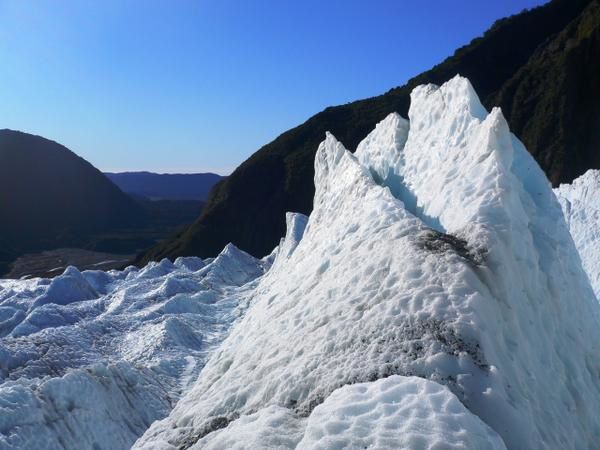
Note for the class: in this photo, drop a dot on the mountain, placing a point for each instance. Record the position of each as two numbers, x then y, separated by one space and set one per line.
553 101
156 186
540 66
50 197
434 299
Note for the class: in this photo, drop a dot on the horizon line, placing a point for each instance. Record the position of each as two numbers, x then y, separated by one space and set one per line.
220 172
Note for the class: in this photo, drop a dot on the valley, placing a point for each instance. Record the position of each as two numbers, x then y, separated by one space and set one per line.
419 269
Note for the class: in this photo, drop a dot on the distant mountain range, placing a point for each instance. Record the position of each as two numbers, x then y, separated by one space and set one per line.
50 198
156 186
541 66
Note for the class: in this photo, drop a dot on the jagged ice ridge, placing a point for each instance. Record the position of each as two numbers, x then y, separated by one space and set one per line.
433 299
437 254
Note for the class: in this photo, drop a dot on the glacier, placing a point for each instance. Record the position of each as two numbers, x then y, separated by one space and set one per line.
438 254
90 359
435 298
580 202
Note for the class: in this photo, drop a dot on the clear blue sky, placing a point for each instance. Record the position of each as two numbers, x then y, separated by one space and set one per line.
186 86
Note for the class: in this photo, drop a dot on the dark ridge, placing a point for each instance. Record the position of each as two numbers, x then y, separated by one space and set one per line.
248 208
50 197
53 200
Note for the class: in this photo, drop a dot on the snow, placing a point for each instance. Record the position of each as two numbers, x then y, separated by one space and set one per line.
580 202
395 412
440 252
271 428
90 359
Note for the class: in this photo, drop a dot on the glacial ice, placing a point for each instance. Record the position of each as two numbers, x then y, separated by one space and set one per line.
396 412
580 202
90 359
433 299
438 251
393 412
